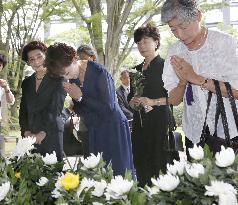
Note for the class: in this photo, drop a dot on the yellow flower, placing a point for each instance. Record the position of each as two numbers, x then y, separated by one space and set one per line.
70 181
18 175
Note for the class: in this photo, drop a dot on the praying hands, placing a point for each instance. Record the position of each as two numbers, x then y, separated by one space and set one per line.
184 70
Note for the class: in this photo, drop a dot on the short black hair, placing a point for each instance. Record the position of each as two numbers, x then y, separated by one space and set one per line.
150 31
30 47
3 59
59 56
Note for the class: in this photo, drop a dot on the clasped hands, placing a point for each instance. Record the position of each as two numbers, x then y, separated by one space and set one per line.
73 90
136 101
184 70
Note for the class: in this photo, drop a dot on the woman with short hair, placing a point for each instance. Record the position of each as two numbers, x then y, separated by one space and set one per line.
149 128
95 99
198 56
41 104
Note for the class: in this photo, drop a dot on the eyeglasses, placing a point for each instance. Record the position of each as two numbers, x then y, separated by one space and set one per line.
37 59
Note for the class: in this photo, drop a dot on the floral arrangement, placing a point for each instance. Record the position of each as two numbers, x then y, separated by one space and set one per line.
137 78
27 178
138 87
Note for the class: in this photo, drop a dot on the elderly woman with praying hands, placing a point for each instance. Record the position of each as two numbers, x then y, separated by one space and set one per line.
198 56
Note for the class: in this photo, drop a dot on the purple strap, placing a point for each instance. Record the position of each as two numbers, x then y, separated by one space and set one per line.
189 94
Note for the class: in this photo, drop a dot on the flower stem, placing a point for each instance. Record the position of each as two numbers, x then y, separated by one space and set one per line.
141 124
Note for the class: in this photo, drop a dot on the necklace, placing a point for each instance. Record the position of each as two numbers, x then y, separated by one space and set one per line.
202 40
39 78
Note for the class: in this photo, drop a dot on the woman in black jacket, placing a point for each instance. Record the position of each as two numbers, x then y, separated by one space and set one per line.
41 103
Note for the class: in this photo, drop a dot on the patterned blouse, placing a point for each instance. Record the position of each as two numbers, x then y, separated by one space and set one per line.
216 59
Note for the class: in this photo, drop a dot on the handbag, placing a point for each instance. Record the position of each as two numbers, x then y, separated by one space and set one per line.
213 141
173 141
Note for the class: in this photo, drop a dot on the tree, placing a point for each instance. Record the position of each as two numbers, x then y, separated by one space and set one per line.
76 37
120 17
20 21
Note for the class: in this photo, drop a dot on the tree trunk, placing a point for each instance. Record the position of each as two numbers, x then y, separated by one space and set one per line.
95 29
117 14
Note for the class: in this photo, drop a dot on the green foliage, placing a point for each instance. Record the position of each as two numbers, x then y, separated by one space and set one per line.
191 190
73 36
24 190
178 113
14 123
207 5
136 79
228 29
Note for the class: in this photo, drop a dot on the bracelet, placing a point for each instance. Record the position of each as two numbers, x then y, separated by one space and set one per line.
204 82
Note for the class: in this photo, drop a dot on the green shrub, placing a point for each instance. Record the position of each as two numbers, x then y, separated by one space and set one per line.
178 113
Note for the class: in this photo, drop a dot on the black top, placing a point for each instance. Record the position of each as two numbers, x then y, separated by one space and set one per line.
148 139
153 83
41 111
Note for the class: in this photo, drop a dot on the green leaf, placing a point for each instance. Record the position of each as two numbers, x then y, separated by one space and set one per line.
207 153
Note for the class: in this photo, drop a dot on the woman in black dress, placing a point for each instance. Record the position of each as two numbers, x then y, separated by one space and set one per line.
41 103
148 137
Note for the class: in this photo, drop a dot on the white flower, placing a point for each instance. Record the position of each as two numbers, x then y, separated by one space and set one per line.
225 157
56 192
133 71
4 189
195 169
23 147
152 191
99 188
177 167
196 152
85 184
91 161
227 199
50 159
166 182
97 203
226 192
42 181
118 188
182 156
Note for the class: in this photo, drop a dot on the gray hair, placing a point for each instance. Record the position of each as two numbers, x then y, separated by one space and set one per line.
86 49
124 72
183 10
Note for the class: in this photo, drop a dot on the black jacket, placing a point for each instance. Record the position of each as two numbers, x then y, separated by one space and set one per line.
123 102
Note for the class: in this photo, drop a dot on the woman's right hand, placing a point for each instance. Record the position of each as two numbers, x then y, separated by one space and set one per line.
73 90
135 101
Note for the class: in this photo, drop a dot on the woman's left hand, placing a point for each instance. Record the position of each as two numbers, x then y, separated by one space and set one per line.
147 101
73 90
183 69
40 136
